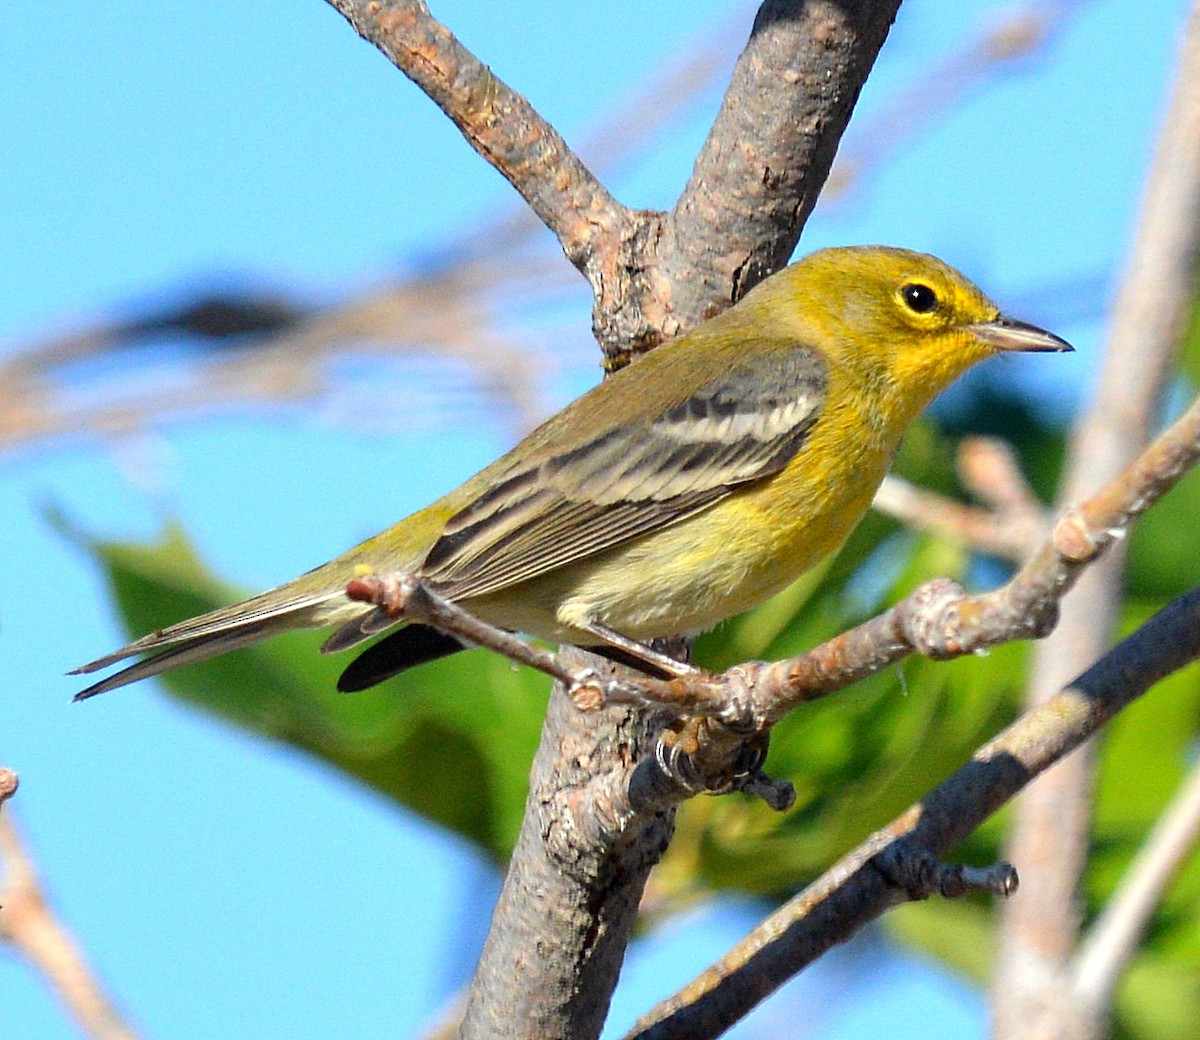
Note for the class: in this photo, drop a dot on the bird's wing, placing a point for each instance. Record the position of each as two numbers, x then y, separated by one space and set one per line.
740 426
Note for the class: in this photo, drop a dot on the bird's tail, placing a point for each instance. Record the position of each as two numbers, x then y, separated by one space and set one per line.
304 603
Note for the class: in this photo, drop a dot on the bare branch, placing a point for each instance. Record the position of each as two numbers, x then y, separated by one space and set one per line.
447 315
574 883
855 891
1051 828
1012 535
990 471
1012 528
635 122
405 595
1103 956
8 784
924 510
29 926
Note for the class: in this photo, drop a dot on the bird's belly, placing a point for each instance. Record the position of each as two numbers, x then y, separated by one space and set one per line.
688 577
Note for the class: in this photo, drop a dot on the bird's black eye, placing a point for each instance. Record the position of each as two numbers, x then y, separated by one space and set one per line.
918 297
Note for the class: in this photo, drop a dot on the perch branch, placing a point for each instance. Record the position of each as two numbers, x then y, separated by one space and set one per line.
855 890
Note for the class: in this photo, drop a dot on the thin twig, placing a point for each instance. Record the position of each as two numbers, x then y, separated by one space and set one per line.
445 315
401 595
1052 823
30 927
989 470
8 784
1112 940
1012 528
923 510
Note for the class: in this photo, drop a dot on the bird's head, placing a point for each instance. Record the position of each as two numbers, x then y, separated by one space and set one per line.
903 322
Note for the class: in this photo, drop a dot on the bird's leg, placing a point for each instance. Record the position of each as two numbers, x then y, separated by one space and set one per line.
640 652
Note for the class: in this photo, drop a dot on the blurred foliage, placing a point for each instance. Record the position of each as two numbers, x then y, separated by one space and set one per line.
454 740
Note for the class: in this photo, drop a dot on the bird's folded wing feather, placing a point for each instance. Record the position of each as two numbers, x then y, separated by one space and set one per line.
744 424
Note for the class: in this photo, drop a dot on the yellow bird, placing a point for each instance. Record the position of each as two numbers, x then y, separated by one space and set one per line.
686 488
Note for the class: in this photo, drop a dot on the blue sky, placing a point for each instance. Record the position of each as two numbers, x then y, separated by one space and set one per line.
227 888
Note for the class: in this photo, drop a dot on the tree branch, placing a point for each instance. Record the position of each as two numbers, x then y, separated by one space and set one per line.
571 894
1110 944
754 184
855 891
1014 525
8 785
1051 828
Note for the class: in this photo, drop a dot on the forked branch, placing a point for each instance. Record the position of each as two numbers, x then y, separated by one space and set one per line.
855 890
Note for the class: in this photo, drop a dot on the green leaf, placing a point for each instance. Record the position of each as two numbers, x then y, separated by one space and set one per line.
452 740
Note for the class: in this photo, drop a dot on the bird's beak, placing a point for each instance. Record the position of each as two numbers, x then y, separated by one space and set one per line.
1009 334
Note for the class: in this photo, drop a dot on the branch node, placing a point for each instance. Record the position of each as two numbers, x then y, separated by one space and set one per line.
738 714
1044 620
780 795
930 619
1074 539
589 694
906 865
9 782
